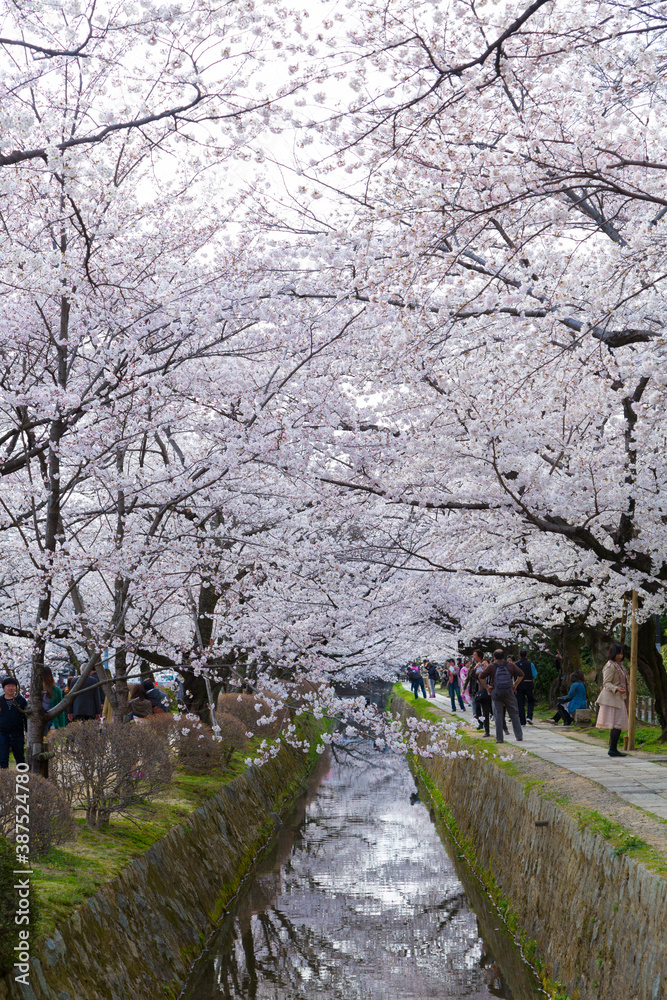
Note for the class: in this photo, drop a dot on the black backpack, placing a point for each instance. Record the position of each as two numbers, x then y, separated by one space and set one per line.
502 682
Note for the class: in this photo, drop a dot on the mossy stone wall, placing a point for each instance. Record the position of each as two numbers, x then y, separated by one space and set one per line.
598 918
138 936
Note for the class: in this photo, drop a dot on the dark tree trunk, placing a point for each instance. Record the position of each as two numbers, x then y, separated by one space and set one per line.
599 644
569 643
653 671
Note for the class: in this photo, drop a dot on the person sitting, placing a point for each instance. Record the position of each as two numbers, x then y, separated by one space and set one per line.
139 704
575 698
155 696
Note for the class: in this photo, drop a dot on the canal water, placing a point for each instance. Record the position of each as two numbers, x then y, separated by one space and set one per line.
359 899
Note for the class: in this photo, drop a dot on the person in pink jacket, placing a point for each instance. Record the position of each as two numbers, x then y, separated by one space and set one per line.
613 699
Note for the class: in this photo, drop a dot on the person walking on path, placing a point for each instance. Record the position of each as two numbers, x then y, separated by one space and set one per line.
613 699
501 679
575 698
472 687
463 677
432 671
13 722
453 685
484 706
416 680
525 694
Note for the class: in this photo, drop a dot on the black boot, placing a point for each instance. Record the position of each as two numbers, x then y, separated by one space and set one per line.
613 744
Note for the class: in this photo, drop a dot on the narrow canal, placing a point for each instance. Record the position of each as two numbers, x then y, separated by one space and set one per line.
360 900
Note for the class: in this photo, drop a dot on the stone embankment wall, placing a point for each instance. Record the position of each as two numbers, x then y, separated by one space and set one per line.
137 937
598 919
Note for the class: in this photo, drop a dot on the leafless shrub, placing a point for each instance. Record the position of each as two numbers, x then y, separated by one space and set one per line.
232 731
252 710
104 768
200 751
48 820
165 726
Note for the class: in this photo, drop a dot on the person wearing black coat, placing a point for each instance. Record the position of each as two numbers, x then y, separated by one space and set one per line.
13 722
525 694
88 702
433 676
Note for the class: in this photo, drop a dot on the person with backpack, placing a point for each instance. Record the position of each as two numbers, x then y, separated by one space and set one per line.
525 694
416 680
433 675
454 685
501 679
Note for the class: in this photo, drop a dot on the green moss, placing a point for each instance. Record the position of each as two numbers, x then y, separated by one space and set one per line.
623 840
647 738
528 946
68 875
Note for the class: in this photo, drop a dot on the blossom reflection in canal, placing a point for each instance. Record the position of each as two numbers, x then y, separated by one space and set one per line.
361 901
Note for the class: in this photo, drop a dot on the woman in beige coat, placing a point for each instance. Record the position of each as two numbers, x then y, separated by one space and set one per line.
613 699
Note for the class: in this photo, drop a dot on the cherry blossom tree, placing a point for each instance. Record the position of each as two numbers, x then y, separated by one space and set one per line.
482 290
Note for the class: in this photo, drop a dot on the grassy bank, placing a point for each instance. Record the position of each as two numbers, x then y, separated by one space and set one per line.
466 852
69 874
620 837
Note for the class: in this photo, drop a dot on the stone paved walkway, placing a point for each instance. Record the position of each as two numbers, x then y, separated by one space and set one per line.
637 779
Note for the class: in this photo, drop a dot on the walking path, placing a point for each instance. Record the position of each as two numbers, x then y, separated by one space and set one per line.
638 780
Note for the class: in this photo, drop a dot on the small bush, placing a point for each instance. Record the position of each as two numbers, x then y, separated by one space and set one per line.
250 709
164 726
104 768
199 750
301 692
49 820
232 731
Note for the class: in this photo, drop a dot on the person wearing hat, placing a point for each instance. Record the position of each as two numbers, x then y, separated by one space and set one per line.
13 722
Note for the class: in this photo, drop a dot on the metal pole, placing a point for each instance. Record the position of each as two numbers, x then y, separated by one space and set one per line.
632 707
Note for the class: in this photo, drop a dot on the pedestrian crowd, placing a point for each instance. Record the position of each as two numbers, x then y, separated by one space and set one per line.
492 686
499 687
146 699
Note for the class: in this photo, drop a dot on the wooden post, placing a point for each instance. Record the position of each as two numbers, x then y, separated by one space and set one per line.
624 618
632 707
